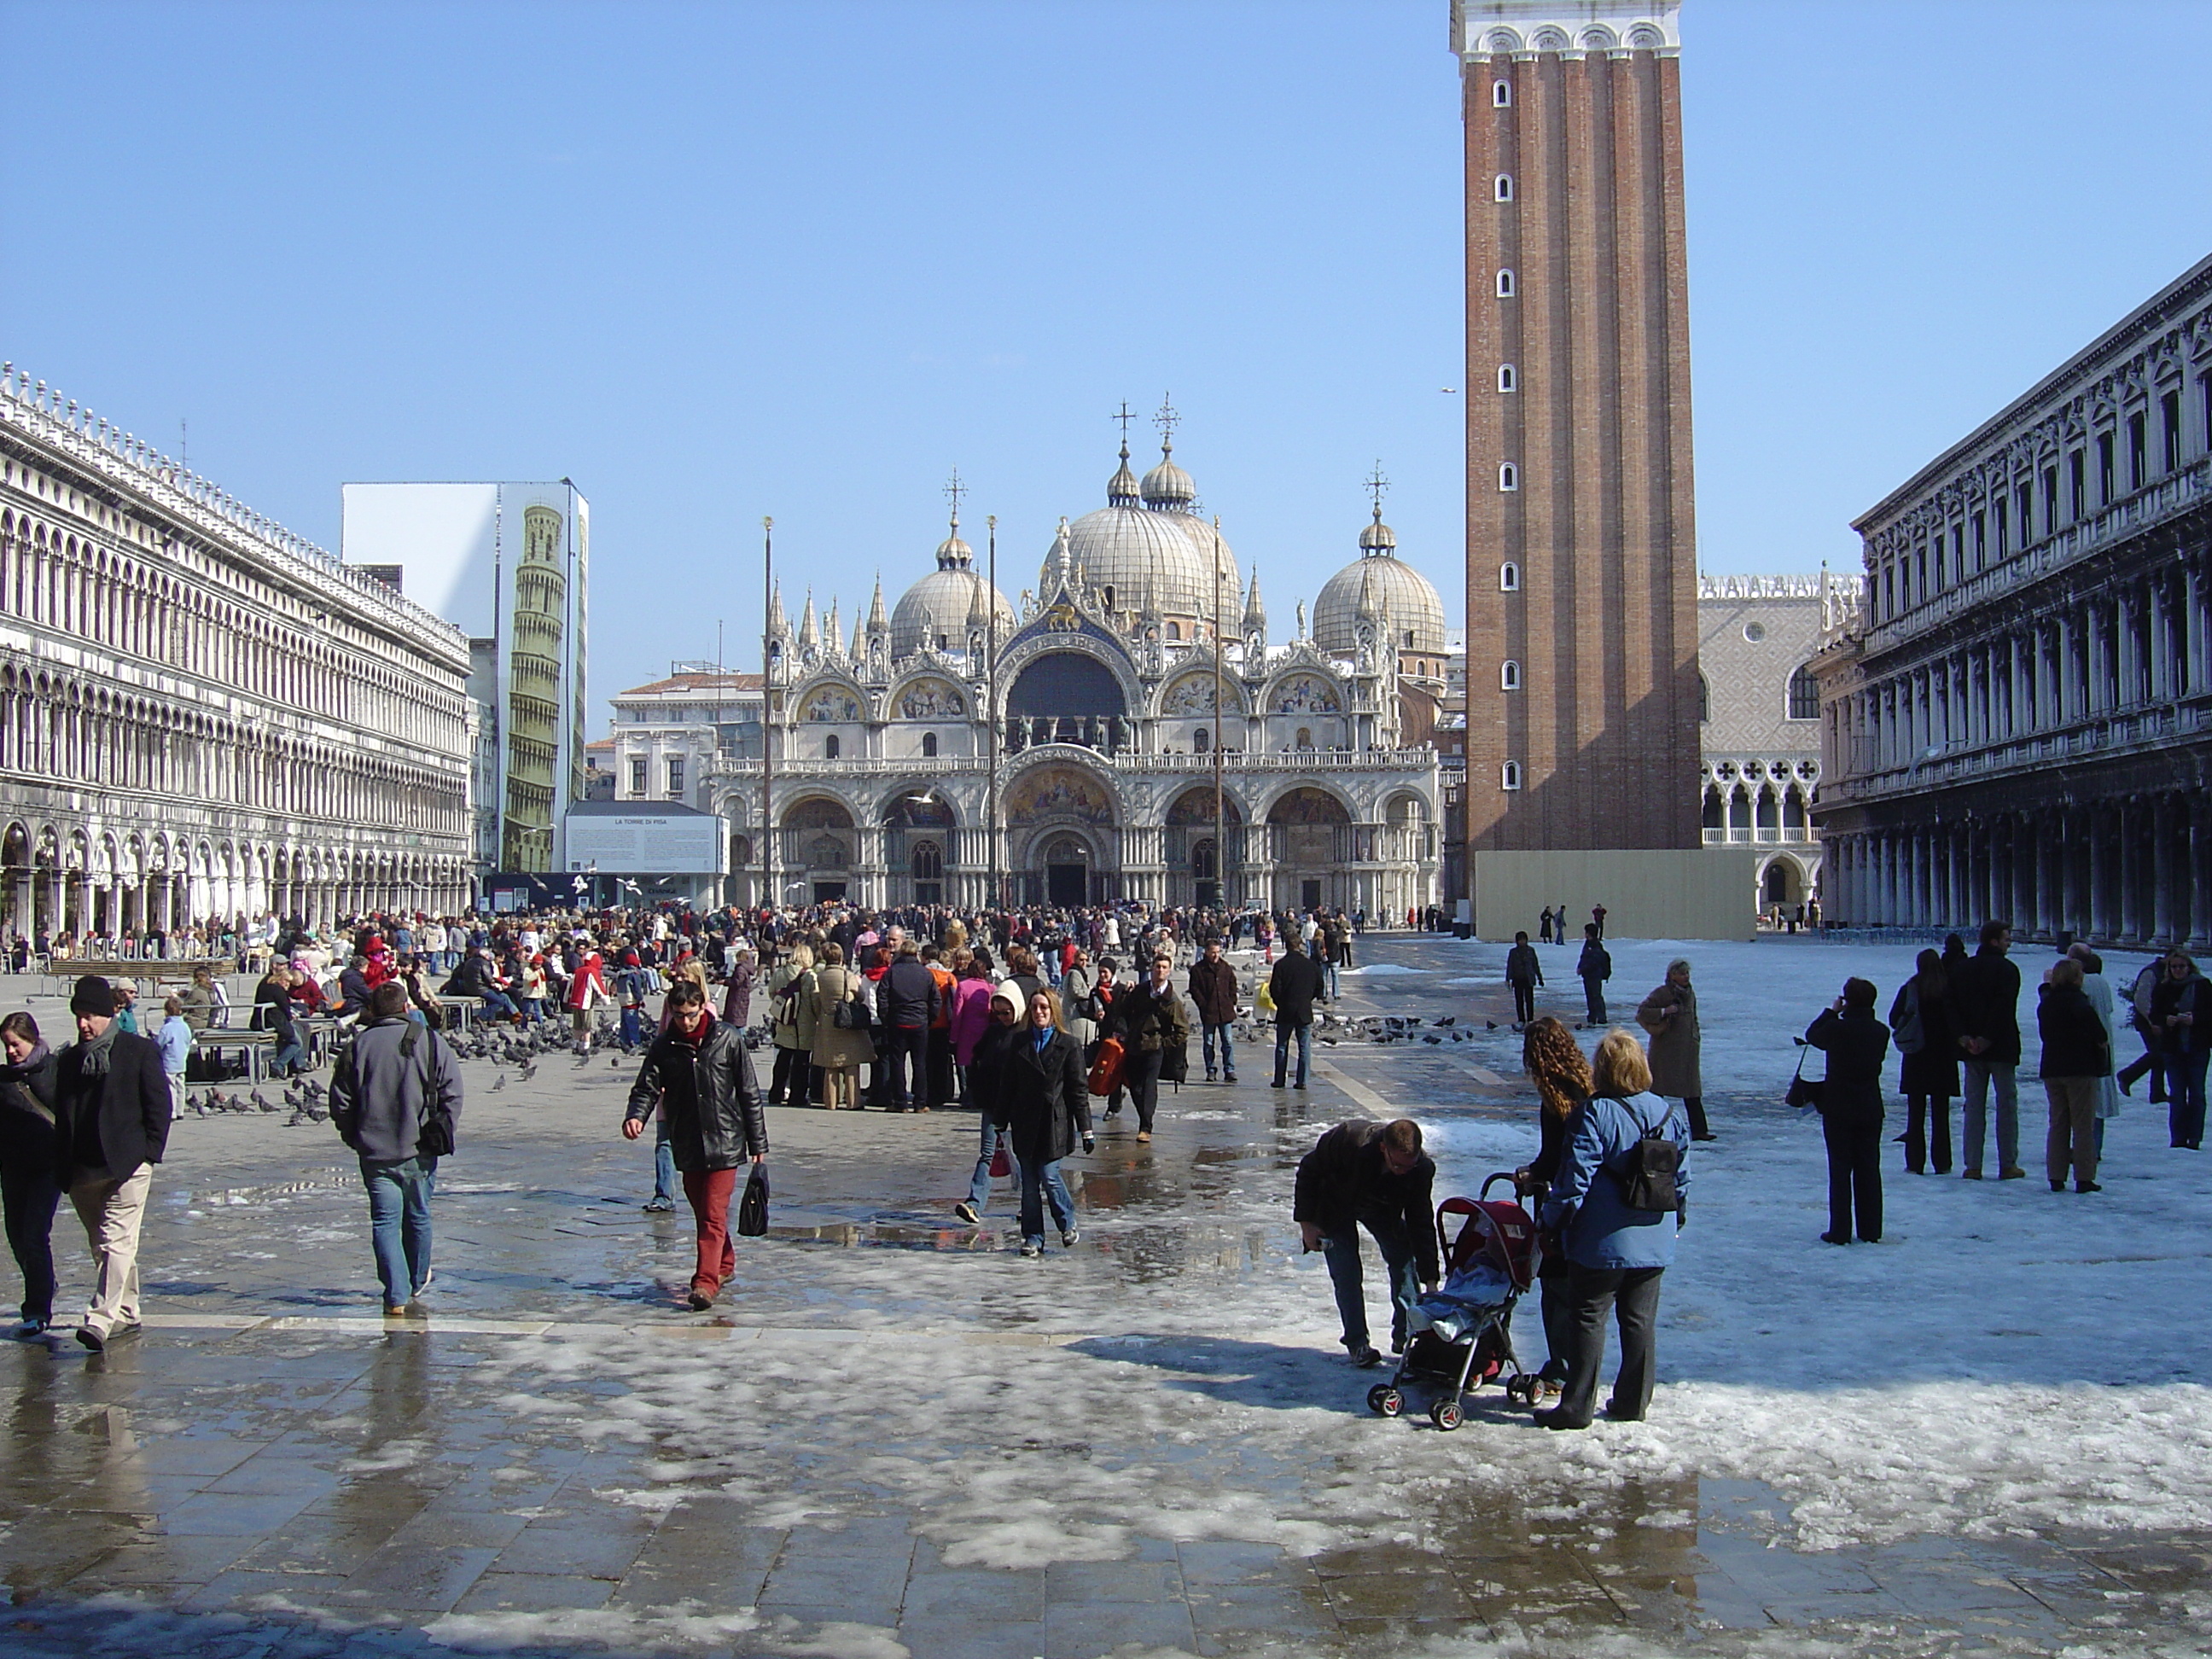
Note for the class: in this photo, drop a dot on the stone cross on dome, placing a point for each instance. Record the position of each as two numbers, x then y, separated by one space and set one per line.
954 490
1377 486
1167 420
1125 415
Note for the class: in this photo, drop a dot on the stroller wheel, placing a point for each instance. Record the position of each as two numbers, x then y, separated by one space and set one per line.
1520 1390
1445 1414
1385 1401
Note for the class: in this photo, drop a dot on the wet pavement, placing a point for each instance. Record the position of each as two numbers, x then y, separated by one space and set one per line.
893 1436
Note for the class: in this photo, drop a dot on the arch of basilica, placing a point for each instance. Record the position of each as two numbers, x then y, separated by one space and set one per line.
960 749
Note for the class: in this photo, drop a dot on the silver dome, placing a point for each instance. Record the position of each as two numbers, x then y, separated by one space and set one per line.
934 612
1412 611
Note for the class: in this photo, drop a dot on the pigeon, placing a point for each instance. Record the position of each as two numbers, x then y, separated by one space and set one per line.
1490 1024
529 1071
498 1083
262 1101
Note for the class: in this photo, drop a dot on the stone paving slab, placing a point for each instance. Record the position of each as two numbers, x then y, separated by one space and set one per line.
271 1468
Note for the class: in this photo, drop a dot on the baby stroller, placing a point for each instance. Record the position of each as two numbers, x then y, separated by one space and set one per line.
1462 1333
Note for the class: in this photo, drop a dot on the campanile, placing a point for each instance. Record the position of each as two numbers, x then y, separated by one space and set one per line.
1582 673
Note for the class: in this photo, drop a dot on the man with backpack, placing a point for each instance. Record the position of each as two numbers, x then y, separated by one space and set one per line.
1371 1174
395 1099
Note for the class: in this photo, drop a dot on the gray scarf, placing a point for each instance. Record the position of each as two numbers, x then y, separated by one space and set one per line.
92 1056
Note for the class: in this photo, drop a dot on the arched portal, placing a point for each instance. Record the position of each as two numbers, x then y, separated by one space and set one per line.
1303 829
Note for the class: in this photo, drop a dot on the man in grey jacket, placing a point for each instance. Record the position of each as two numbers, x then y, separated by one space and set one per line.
395 1097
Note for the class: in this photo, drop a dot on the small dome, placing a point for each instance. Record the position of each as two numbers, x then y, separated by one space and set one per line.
1377 536
1168 485
1122 488
953 554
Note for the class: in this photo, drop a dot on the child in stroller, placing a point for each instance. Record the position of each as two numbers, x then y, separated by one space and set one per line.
1462 1335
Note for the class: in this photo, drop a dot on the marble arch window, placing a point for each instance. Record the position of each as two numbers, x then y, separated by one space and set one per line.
1501 94
1509 676
1506 284
1508 577
1509 476
1501 188
1509 775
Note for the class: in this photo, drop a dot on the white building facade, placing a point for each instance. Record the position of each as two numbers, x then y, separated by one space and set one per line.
966 751
1760 725
203 716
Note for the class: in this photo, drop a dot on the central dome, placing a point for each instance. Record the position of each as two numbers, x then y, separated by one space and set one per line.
1127 553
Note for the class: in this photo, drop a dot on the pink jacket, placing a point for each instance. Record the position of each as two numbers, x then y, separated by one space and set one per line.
970 1017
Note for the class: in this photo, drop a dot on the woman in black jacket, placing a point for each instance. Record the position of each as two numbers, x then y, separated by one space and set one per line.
1856 1044
2076 1059
30 1164
698 1071
1927 1038
1551 1055
1039 1093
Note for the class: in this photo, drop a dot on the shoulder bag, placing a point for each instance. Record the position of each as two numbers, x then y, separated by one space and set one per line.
1804 1092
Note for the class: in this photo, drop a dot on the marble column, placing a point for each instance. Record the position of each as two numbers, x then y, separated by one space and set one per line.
2167 925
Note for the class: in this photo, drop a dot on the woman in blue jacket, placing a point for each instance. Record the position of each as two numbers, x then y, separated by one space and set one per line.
1616 1255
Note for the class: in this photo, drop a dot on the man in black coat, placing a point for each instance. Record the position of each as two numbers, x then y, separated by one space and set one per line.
1524 974
1850 1110
906 1004
1594 967
1292 987
1213 992
1985 996
112 1111
1371 1174
698 1073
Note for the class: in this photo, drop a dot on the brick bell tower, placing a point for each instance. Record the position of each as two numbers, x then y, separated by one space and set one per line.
1581 668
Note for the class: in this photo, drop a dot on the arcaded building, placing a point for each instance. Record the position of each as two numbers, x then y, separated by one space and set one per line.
2017 719
203 716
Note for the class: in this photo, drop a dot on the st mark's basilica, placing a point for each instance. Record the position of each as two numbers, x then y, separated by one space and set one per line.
1102 707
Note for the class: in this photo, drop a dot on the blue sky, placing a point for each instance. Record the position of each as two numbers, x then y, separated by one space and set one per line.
715 261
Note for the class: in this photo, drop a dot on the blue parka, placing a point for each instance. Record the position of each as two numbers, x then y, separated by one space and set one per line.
1601 1229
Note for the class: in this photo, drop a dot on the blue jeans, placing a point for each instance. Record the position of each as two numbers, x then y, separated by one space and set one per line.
292 1055
664 1162
1339 1247
1979 1076
633 1027
2184 1096
1329 968
498 1004
1284 1031
1228 1055
978 1187
1040 1181
399 1223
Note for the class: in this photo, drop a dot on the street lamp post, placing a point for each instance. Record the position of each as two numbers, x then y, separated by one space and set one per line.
1221 814
991 711
767 704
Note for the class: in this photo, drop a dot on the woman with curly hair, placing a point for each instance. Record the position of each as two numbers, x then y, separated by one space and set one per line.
1550 1055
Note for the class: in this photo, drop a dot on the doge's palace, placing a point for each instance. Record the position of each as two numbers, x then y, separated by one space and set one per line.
203 716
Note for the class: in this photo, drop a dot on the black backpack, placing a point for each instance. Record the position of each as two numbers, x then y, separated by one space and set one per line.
1648 1168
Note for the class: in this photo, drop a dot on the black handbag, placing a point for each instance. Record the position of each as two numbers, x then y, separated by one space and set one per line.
752 1208
1804 1090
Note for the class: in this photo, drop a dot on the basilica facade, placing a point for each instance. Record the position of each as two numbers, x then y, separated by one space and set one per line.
961 749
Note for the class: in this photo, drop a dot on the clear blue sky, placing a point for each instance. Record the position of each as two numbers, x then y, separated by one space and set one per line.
715 261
